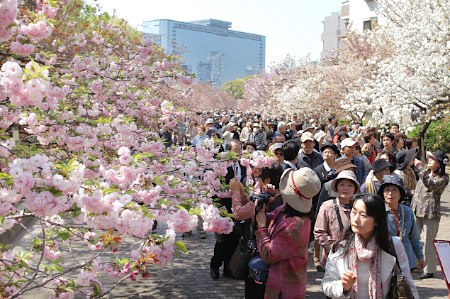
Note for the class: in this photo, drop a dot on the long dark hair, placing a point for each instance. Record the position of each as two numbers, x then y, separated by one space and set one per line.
375 208
291 212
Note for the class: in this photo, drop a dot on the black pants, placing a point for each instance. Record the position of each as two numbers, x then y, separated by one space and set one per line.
225 244
223 249
254 290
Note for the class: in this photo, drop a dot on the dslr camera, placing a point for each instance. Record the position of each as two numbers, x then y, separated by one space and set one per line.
261 200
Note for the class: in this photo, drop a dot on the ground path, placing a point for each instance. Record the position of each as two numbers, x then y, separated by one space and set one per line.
188 275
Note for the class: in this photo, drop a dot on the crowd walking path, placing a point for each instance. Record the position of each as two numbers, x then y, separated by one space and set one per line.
188 275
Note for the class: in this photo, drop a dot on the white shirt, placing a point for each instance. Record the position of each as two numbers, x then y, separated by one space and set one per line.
327 167
237 171
363 270
293 166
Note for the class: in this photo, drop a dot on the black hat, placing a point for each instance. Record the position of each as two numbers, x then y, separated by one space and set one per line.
441 157
392 179
329 145
380 164
404 157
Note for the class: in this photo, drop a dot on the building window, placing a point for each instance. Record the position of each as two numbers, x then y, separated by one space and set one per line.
370 24
367 25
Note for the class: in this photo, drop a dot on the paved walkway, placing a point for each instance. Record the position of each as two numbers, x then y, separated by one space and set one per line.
188 275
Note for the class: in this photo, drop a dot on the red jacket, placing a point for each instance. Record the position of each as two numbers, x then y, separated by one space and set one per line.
284 246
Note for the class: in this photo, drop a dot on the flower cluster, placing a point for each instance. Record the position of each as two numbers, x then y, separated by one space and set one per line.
29 88
45 190
214 222
258 159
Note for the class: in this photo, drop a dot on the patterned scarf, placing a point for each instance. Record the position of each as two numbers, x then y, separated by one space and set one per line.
366 254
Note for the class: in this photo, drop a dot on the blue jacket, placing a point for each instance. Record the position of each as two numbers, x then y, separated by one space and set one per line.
410 236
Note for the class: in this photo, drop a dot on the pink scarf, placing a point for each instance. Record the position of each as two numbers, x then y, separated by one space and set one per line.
369 254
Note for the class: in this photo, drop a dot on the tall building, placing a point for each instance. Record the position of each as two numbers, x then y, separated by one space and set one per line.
209 49
333 30
355 15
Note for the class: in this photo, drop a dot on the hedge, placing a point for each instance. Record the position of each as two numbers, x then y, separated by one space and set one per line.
437 135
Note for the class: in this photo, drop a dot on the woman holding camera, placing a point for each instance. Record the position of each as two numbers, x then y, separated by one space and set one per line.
282 236
266 191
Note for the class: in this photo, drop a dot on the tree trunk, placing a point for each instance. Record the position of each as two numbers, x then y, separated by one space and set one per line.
421 140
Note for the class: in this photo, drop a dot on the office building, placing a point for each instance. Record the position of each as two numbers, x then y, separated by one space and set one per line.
333 30
209 49
355 15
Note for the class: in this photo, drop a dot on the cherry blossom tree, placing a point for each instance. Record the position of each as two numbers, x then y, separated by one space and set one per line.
203 96
90 97
413 82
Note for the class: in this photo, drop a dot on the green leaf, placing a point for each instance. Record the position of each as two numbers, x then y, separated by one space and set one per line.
140 156
7 178
195 211
110 190
55 267
55 191
97 288
76 211
180 246
64 234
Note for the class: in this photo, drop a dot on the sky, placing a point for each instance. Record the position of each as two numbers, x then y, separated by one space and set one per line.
291 27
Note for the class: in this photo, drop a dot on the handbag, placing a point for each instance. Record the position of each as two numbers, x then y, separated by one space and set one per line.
258 269
399 286
238 264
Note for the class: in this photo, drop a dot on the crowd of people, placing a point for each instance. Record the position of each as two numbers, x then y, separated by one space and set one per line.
357 199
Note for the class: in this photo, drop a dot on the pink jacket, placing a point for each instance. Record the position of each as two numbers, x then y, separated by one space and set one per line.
284 246
326 229
242 208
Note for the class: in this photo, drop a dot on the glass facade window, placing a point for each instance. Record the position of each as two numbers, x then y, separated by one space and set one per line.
209 49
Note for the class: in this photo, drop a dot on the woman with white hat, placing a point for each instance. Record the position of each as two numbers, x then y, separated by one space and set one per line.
334 215
426 205
283 235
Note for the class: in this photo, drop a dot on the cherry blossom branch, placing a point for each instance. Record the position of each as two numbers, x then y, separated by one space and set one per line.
21 291
116 284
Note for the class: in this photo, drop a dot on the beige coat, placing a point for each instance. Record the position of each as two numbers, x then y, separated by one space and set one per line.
326 229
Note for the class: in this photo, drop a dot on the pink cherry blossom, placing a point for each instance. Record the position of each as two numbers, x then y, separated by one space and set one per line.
22 49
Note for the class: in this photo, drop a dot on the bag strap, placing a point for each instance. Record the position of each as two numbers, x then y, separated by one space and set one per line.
402 211
338 214
397 270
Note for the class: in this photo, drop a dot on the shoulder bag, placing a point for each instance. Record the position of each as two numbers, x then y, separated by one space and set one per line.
399 286
246 249
258 270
